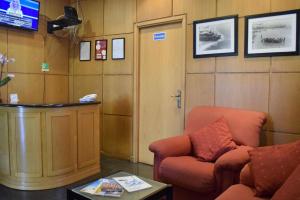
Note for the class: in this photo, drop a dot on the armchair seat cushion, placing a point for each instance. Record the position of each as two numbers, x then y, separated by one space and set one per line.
239 191
189 173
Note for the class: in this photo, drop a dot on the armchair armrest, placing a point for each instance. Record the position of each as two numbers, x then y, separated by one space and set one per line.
233 160
229 165
170 147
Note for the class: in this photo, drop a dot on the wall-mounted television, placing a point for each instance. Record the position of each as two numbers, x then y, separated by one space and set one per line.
22 14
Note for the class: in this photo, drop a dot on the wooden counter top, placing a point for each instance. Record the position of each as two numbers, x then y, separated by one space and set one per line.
50 105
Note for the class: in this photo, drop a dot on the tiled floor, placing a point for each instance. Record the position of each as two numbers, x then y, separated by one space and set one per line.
108 166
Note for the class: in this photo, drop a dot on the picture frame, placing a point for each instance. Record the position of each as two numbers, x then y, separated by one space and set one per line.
215 37
85 51
101 50
272 34
118 48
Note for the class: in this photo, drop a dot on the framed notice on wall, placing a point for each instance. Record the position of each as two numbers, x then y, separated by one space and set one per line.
101 50
118 48
85 51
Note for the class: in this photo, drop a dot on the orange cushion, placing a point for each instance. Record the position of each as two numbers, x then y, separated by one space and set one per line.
189 173
291 188
212 141
245 125
272 165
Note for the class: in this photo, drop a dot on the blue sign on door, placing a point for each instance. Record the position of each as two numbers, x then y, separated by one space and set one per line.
159 36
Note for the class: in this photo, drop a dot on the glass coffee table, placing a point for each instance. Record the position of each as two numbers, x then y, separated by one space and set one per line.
157 191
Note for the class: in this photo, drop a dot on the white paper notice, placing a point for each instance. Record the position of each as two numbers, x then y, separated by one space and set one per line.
118 48
85 51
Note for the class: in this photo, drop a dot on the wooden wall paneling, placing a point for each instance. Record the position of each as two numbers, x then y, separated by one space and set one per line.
3 94
271 138
29 87
91 67
55 8
245 90
117 134
3 50
119 66
195 9
242 8
240 63
57 54
88 137
117 94
71 88
56 89
153 9
285 64
279 5
84 85
28 50
4 144
61 142
284 102
72 56
42 26
91 12
199 90
3 43
119 16
26 144
42 7
199 65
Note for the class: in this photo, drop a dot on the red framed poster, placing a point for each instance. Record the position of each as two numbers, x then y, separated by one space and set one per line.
101 50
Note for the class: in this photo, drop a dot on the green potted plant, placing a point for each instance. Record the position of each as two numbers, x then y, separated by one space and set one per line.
4 61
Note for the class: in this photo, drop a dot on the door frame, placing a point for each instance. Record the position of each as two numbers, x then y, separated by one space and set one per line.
136 72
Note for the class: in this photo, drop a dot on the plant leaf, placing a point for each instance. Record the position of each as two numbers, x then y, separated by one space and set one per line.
4 81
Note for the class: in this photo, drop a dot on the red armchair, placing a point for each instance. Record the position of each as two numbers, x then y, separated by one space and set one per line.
174 162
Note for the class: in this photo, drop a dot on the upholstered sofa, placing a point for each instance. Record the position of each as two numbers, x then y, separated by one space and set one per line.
175 163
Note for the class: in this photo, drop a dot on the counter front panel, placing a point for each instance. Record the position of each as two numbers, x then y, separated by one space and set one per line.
48 146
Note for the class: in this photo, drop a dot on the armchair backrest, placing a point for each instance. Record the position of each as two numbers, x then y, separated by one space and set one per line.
245 125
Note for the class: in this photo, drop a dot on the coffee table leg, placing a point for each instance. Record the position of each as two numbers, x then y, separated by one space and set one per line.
73 196
165 194
169 193
69 195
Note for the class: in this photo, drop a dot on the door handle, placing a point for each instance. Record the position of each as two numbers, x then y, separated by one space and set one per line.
178 98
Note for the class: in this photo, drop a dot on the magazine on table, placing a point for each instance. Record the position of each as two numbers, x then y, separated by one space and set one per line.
104 187
132 183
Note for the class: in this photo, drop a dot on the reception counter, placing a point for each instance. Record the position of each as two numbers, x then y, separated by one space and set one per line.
48 146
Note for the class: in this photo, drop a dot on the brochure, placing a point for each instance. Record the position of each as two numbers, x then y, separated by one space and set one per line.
104 187
132 183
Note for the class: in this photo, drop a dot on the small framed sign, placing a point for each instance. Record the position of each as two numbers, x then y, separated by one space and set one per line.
118 49
85 51
272 34
101 50
159 36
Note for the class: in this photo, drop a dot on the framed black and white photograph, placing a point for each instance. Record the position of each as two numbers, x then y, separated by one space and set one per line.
273 34
215 37
118 49
85 51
